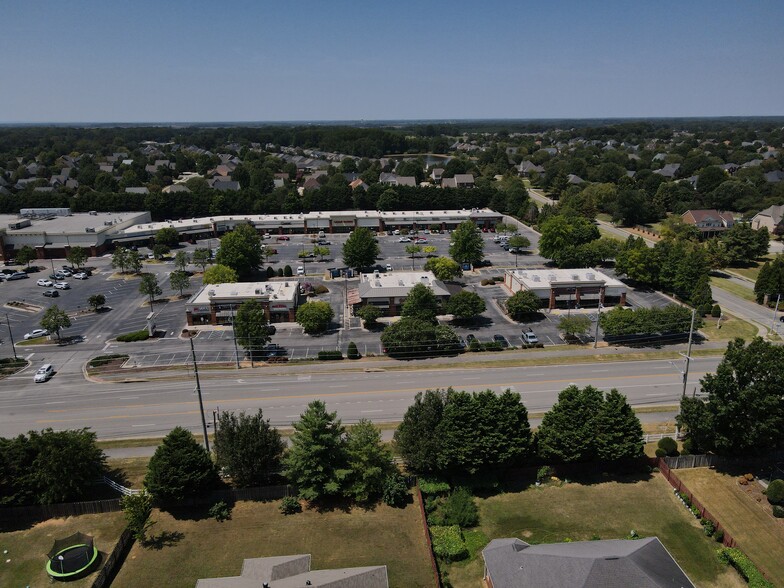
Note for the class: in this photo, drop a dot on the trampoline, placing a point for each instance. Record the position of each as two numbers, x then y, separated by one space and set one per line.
72 556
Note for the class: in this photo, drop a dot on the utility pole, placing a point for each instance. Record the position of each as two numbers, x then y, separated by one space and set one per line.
775 311
688 351
596 330
201 403
11 335
234 336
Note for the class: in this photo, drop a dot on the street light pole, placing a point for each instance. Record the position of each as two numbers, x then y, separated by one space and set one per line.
688 351
201 403
234 336
11 336
775 311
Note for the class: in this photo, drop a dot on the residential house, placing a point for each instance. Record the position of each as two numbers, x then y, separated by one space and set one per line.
642 563
436 173
574 179
391 179
175 189
293 571
709 222
224 185
668 171
358 183
771 217
140 190
464 180
526 168
774 177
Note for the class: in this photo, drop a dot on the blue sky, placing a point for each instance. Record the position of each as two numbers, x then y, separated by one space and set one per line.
148 61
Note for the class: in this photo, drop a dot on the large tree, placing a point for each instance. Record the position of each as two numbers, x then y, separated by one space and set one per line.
317 461
202 258
770 281
421 304
179 469
251 326
241 250
369 460
219 274
465 305
77 256
179 280
443 268
522 304
417 438
247 448
49 466
360 250
167 236
25 255
55 319
410 338
744 412
315 317
149 287
562 237
466 244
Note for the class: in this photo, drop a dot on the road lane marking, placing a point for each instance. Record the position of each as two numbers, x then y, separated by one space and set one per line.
369 411
147 425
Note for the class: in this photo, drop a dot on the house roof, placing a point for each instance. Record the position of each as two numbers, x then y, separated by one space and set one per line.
643 563
699 216
776 213
775 176
398 284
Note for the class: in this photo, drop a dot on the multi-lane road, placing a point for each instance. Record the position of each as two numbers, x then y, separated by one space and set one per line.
152 408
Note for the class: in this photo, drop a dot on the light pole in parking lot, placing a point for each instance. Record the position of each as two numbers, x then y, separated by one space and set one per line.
11 336
201 403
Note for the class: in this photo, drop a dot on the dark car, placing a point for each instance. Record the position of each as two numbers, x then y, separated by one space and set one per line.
781 319
51 293
501 340
273 350
470 338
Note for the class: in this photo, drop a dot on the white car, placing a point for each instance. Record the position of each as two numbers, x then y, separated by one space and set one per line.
44 373
80 276
62 285
300 271
34 334
389 267
45 283
404 240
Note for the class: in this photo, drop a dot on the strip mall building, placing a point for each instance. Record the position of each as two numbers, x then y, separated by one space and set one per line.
567 287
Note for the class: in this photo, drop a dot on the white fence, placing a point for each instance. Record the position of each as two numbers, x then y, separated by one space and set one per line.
118 487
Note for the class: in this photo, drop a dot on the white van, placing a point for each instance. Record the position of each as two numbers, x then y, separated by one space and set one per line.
301 270
44 372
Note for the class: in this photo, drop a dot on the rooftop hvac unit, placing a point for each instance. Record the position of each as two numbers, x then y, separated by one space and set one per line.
89 229
210 293
590 275
536 278
107 223
575 277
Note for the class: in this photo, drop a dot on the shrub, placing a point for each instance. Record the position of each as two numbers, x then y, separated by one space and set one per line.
749 477
708 526
487 282
330 355
458 509
395 491
220 511
279 273
270 272
320 289
695 511
353 352
448 543
660 452
778 511
719 536
289 505
287 271
104 359
474 346
669 445
544 473
492 346
716 311
142 335
429 486
775 492
745 567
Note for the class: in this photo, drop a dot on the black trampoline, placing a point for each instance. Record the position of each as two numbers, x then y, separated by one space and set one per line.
71 556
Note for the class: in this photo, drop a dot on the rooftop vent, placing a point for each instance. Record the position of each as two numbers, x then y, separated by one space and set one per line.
210 293
590 275
536 278
89 229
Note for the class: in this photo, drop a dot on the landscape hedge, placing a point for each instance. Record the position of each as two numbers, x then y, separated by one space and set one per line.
745 567
448 543
330 355
142 335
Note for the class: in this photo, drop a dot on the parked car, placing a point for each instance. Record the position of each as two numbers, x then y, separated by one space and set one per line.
420 240
470 338
274 350
44 372
51 293
529 337
301 270
18 276
35 333
44 282
501 340
62 285
80 276
388 267
404 240
65 272
283 238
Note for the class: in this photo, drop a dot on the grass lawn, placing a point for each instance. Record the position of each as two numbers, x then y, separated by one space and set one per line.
209 549
751 272
603 509
758 534
130 470
27 549
733 288
731 327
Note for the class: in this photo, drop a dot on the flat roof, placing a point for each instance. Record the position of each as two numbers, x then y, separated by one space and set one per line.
76 223
545 278
398 284
272 291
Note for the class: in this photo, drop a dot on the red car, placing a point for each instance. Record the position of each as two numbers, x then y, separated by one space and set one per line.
283 238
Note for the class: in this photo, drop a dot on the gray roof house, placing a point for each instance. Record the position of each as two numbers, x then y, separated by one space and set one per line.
771 217
615 563
774 177
669 170
293 571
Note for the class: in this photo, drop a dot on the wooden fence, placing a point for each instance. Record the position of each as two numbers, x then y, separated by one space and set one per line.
433 562
42 512
115 560
691 461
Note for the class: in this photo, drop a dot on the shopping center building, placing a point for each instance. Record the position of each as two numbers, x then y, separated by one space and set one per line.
567 288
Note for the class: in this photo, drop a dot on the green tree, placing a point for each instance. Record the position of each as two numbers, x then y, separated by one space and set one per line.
219 274
251 328
317 461
49 466
443 268
54 320
561 235
95 301
179 469
179 280
702 297
466 244
569 429
574 325
360 250
516 243
413 251
247 448
160 251
420 304
744 412
417 438
410 338
465 305
369 314
619 431
369 460
77 256
167 236
181 260
121 259
770 281
321 251
315 316
202 258
150 288
522 304
744 244
25 255
137 509
241 250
